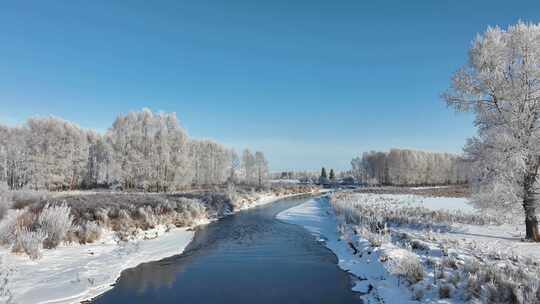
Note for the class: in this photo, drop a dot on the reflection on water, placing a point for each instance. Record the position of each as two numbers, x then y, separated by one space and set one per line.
249 257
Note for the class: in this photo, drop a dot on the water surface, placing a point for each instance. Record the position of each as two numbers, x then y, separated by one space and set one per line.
249 257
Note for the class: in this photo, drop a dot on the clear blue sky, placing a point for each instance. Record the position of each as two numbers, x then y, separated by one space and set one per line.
309 82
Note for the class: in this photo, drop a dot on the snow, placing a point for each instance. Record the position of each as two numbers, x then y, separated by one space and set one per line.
429 187
433 203
284 181
318 217
74 273
71 274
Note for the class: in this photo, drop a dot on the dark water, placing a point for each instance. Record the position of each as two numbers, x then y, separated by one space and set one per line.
250 258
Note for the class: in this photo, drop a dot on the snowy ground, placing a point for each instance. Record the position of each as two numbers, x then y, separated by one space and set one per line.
73 273
462 263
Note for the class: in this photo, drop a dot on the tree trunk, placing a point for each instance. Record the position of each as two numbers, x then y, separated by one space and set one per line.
531 220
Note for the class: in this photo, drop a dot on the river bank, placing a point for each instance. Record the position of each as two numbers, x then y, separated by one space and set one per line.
408 248
371 279
73 273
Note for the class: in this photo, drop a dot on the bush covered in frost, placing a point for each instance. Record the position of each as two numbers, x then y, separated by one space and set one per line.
28 241
55 221
88 232
409 267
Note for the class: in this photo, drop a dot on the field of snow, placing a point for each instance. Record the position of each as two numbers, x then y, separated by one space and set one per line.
74 273
433 203
451 255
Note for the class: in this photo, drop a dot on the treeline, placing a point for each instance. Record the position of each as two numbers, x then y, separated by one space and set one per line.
409 167
142 150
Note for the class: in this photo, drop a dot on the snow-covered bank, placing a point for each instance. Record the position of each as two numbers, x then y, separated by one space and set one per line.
408 255
73 273
371 277
442 251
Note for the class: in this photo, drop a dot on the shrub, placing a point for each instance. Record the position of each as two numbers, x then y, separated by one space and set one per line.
29 242
410 267
55 221
146 217
88 232
445 290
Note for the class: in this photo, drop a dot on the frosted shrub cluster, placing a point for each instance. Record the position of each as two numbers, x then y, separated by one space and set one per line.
28 241
28 230
409 267
55 221
378 211
88 232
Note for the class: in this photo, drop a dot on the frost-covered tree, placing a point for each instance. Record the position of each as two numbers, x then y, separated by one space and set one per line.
500 84
100 161
14 157
248 167
150 151
261 168
57 153
141 151
409 167
211 162
234 166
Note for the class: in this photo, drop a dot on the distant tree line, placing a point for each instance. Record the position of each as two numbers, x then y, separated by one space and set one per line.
409 167
142 150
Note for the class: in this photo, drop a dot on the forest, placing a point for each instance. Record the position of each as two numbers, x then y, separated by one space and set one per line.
143 151
402 167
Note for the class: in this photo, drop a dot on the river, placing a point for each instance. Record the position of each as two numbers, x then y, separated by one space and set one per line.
249 257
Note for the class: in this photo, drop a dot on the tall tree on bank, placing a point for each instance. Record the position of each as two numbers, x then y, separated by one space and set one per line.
261 168
501 86
248 167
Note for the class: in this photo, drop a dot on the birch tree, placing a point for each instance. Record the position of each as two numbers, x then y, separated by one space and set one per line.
261 168
248 167
500 84
409 167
